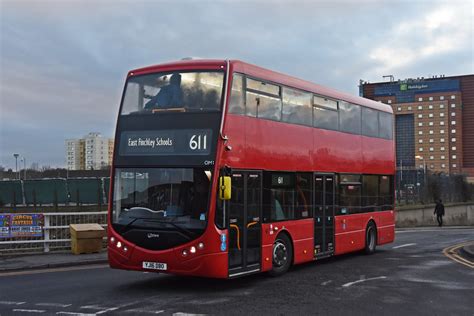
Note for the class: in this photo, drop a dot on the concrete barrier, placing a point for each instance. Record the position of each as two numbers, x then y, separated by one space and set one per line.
455 215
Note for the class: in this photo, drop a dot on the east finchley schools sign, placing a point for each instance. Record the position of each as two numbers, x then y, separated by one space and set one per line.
166 142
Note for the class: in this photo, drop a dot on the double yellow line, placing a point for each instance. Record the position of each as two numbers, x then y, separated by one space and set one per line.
452 253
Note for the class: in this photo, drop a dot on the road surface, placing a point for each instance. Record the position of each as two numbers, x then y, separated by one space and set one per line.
411 276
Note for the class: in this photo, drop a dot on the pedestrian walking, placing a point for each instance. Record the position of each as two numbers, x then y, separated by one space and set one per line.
439 212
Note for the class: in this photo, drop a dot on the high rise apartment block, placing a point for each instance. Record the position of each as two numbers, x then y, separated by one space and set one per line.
75 159
91 152
434 121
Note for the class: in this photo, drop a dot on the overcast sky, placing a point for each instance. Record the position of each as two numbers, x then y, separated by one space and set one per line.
63 63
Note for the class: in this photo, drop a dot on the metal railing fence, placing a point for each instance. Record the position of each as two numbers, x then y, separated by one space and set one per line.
56 234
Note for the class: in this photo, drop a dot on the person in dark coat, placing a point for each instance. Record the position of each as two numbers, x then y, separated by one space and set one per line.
439 212
169 95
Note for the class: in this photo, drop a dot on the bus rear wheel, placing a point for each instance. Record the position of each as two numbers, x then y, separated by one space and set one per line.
282 255
370 238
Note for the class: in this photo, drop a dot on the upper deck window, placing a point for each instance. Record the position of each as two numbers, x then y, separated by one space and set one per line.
236 102
370 124
173 91
325 113
324 102
349 118
296 107
385 125
263 87
263 100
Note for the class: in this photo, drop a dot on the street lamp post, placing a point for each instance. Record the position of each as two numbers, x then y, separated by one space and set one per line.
424 171
16 164
400 181
24 166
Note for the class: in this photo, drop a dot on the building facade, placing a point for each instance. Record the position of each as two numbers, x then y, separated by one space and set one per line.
75 159
434 121
92 152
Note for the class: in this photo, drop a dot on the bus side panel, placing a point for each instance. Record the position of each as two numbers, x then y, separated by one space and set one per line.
385 222
336 151
235 130
377 156
350 230
301 233
251 141
260 144
349 233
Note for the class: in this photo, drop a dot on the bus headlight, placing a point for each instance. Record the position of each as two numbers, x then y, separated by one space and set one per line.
184 253
201 245
193 249
119 244
112 239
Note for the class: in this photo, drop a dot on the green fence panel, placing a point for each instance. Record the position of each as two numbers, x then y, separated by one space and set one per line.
106 182
87 191
45 191
10 192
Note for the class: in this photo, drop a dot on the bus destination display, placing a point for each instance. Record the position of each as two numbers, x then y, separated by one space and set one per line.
166 142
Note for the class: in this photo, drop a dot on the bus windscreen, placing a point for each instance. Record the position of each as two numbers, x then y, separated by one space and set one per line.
173 91
151 197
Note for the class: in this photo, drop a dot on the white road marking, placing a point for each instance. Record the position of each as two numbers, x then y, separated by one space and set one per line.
72 313
404 245
363 280
107 310
143 311
53 304
432 230
11 303
326 282
96 307
103 310
186 314
29 310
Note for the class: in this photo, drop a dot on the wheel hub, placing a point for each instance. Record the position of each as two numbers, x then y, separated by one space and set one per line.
280 255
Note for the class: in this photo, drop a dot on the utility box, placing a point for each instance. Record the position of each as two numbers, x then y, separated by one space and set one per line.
86 238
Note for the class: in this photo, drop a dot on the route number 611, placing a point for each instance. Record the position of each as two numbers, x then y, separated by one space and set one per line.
198 142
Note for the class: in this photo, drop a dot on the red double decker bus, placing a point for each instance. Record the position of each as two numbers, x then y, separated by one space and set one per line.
223 169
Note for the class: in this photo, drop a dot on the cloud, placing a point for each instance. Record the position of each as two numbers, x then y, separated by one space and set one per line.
442 30
63 63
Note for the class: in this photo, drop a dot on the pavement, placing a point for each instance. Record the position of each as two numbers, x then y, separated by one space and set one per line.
51 260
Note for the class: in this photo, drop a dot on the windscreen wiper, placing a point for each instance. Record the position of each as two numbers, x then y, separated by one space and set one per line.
126 227
134 219
176 109
185 231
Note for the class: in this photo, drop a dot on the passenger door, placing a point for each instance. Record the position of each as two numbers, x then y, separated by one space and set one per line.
324 214
245 222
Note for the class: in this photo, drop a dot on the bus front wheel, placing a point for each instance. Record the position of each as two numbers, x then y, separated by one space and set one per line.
370 238
282 255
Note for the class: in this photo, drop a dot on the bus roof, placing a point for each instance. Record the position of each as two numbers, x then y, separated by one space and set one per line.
267 75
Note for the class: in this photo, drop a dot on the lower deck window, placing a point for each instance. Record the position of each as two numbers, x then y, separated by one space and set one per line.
286 196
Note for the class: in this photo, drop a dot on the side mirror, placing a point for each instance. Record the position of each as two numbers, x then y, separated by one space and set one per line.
225 186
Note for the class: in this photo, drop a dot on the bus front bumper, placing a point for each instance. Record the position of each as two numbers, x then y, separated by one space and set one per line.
212 265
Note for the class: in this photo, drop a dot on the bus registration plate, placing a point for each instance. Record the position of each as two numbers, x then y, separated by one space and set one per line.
155 265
